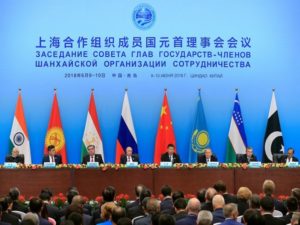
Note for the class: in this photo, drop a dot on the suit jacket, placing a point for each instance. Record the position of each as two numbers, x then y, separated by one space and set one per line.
230 222
19 207
146 220
165 158
17 159
287 218
135 211
242 205
180 215
166 206
54 212
9 218
202 158
270 220
207 206
283 159
218 216
229 198
134 157
244 159
190 219
98 158
57 159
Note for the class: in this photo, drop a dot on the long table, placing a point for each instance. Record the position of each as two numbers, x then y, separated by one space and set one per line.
91 182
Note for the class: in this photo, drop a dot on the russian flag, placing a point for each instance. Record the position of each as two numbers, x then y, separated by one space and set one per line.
126 135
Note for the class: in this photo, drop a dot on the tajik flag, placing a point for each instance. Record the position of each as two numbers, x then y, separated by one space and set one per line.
92 133
55 134
165 132
126 134
273 141
19 135
237 141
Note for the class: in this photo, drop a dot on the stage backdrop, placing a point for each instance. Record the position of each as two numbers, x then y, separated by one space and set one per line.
147 46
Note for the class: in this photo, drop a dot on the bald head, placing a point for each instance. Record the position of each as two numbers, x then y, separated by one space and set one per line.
193 206
77 200
218 201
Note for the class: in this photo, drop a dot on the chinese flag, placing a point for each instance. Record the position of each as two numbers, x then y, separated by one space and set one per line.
55 135
165 132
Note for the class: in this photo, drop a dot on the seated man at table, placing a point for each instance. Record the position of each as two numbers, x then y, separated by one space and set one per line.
207 157
248 157
129 157
92 157
15 156
170 155
52 157
289 157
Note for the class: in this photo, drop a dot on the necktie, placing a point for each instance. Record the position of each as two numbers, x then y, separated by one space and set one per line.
207 160
92 158
171 158
128 159
52 158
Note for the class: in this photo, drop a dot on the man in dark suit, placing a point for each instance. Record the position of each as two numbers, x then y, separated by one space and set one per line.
170 155
231 213
15 157
35 206
138 189
92 157
138 210
221 189
248 157
166 205
193 208
1 222
52 157
292 207
6 216
218 204
267 207
14 194
207 157
289 157
180 206
129 157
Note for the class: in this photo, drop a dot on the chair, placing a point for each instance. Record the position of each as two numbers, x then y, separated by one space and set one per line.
277 157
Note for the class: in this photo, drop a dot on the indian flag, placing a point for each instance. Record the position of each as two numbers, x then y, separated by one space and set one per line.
19 135
92 134
237 141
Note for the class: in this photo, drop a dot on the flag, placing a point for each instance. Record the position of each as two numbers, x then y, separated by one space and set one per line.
237 141
200 137
55 135
19 135
273 141
165 132
92 133
126 134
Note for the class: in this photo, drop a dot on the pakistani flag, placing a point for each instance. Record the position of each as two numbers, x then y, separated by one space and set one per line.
92 134
200 137
273 142
19 135
237 141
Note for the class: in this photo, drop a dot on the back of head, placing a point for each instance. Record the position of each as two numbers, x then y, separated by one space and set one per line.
292 204
248 213
210 193
296 193
254 202
35 205
108 194
124 221
204 217
14 193
176 195
295 218
71 194
201 195
218 201
193 206
76 218
180 204
155 219
117 213
230 211
138 189
144 193
4 204
31 217
152 206
166 190
267 204
256 219
77 200
73 208
220 187
244 193
166 219
107 209
268 187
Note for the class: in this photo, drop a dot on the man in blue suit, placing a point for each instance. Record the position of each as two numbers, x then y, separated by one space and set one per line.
231 213
193 208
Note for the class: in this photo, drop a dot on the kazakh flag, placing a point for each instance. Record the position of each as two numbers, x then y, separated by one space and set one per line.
200 137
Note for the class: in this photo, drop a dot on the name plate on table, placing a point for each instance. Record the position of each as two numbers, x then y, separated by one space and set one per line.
49 164
213 164
10 165
292 164
165 164
92 164
255 164
132 164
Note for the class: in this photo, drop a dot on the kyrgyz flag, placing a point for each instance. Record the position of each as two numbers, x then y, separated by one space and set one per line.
19 136
165 132
92 133
55 135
